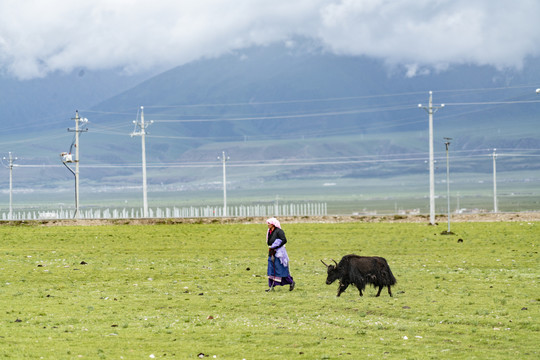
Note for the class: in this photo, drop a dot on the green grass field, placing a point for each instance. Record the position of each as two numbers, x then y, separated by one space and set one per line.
177 291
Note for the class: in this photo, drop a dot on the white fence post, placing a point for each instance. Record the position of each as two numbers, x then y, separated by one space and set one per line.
259 210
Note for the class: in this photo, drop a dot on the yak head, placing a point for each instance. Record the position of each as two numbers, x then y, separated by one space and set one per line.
333 272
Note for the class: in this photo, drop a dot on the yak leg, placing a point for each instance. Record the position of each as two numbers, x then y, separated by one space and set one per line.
379 292
389 291
342 287
360 287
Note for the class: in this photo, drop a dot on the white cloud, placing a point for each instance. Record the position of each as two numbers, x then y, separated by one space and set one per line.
498 32
38 37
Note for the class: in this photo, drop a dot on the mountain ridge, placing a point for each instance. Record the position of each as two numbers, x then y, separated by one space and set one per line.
274 103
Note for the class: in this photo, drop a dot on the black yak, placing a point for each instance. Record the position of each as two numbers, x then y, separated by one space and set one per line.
361 270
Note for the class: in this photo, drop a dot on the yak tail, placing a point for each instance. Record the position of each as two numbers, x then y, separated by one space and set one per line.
386 274
389 276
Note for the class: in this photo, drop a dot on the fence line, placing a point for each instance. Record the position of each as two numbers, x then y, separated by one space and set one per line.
302 209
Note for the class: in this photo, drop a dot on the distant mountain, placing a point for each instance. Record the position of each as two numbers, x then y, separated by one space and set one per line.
286 87
40 102
271 103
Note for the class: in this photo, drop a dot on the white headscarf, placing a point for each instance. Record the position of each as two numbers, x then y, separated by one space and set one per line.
274 222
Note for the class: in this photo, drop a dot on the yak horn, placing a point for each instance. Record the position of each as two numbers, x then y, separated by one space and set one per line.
334 261
324 263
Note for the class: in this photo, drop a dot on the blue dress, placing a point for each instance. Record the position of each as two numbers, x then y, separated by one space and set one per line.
278 265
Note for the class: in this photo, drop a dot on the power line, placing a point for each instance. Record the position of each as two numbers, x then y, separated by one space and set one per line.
294 115
315 100
494 103
112 129
291 116
321 114
412 157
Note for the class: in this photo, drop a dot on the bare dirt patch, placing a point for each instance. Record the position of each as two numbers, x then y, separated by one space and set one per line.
482 217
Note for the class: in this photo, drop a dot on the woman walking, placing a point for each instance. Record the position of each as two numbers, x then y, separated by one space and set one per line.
278 259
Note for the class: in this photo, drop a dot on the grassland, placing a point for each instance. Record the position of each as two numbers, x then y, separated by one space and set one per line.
179 291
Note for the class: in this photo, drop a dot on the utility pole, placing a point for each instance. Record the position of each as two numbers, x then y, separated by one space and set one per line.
495 207
10 159
431 109
68 157
142 132
447 143
224 159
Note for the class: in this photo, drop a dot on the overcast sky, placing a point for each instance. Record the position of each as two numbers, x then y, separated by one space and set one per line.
38 37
